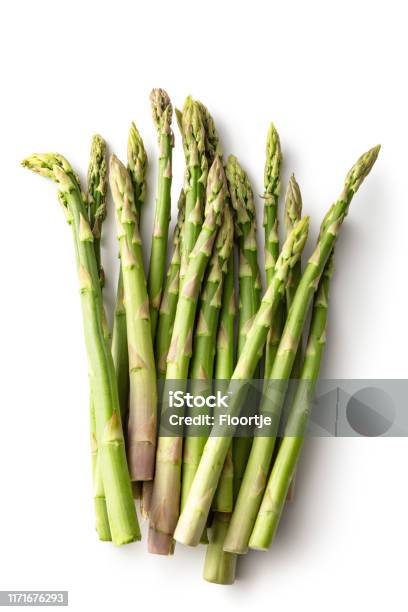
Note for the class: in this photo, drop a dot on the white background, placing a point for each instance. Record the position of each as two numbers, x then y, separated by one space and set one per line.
331 75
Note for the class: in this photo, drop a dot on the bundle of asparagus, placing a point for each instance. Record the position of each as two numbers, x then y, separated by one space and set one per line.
178 323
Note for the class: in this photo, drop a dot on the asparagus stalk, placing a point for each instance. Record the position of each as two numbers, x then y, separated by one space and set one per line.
225 353
254 482
142 371
162 116
224 368
249 283
293 212
249 278
289 451
193 137
167 314
202 363
179 356
137 163
96 210
169 301
166 488
271 197
195 513
120 351
219 566
270 222
111 449
101 513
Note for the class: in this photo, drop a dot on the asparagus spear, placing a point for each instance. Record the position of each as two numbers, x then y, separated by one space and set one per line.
167 314
293 212
166 488
96 210
179 356
254 482
271 198
137 163
224 368
169 301
219 566
162 116
249 283
195 513
111 449
289 450
142 371
249 278
193 137
202 363
101 512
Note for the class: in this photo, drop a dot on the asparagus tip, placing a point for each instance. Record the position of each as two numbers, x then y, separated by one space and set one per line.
162 110
359 171
97 166
137 161
293 204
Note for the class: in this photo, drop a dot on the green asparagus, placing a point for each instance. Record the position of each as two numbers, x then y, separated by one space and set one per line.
96 210
285 463
142 372
224 368
219 566
293 212
193 137
167 314
202 363
166 489
254 482
249 278
120 352
109 437
137 163
195 513
249 283
169 301
162 116
270 222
